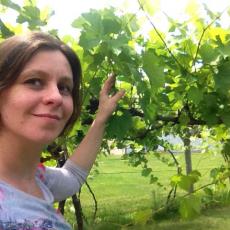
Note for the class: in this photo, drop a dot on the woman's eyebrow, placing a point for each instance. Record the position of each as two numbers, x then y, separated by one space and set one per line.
64 78
33 71
67 79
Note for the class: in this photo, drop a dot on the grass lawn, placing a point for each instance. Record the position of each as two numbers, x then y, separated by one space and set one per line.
121 192
215 219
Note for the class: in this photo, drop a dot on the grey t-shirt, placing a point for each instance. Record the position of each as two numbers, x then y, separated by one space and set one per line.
19 210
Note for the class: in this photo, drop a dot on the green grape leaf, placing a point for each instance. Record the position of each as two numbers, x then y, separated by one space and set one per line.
118 42
5 31
153 179
153 68
190 207
195 95
79 22
208 53
10 4
111 26
146 171
225 118
150 6
142 217
175 180
185 182
94 20
88 40
222 78
119 125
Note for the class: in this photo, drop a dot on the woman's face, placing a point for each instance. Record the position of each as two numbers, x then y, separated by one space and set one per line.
38 105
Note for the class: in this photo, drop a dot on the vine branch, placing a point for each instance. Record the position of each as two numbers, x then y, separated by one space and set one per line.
202 35
94 198
161 38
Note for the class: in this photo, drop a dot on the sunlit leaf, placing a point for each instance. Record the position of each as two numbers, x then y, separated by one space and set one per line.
185 182
46 13
215 32
190 207
142 217
193 9
150 6
5 31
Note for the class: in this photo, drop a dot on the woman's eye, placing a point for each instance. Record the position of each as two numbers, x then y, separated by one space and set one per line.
34 82
65 89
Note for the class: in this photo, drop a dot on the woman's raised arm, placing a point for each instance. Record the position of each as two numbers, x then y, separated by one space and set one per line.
86 153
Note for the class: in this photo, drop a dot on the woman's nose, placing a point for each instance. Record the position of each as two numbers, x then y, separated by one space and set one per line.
53 96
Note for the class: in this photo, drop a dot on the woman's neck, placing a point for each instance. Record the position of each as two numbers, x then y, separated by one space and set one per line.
19 159
18 165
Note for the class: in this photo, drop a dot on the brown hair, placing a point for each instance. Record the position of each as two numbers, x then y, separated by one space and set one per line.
15 53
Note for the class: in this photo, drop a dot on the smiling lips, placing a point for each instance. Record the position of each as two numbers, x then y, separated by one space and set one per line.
51 116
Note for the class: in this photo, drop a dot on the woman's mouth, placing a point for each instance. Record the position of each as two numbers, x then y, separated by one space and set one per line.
47 115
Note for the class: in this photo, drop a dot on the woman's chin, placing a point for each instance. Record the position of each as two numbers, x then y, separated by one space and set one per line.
43 140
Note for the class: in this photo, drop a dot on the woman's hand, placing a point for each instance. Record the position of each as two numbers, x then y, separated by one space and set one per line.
107 102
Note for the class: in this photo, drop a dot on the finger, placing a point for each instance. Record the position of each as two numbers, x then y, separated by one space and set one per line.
116 97
109 83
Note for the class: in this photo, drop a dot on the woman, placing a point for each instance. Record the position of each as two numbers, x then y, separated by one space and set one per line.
40 99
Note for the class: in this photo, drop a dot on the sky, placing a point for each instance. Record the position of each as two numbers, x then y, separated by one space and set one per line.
68 10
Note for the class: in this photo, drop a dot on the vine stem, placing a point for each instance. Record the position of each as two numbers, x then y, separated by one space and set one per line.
202 35
174 188
159 35
198 189
94 198
187 194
